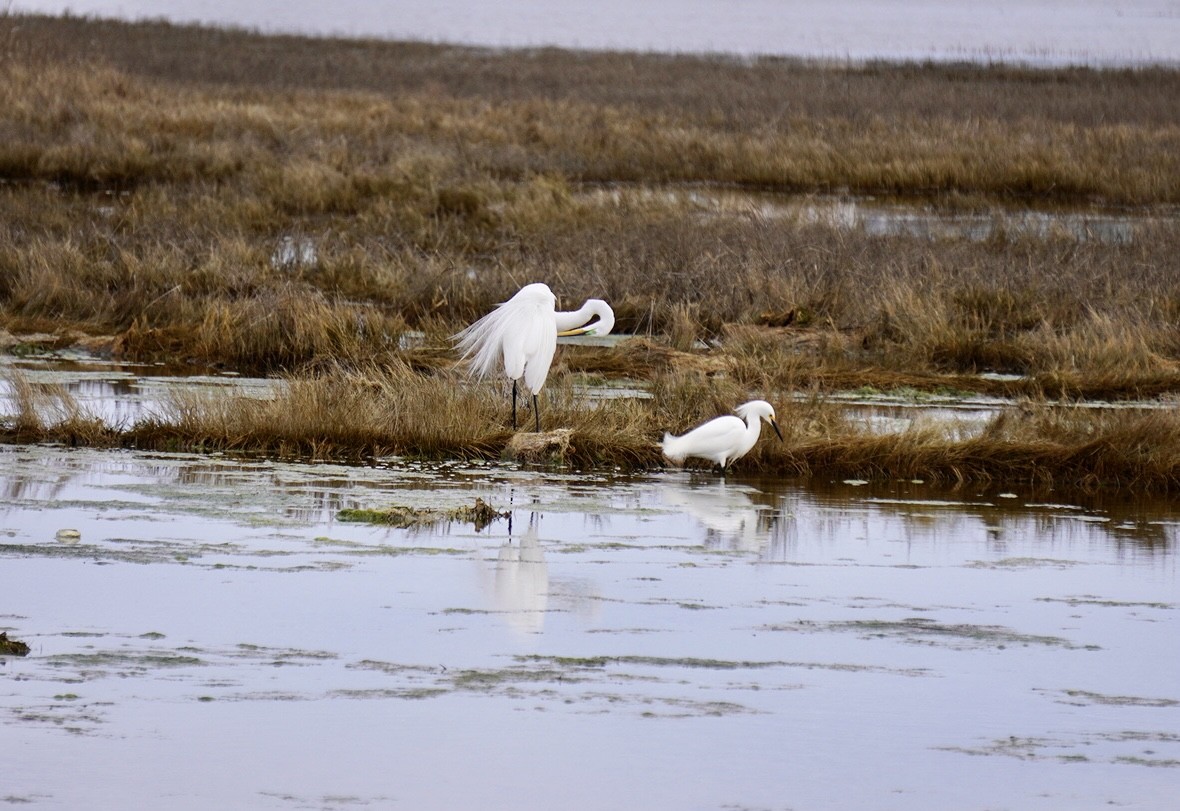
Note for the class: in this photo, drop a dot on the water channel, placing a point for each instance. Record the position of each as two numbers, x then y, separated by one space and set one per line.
208 632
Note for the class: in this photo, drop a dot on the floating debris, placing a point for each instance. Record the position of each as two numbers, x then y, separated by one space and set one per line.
481 514
68 535
12 647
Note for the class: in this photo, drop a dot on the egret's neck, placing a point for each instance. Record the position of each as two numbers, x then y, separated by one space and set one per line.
592 308
753 427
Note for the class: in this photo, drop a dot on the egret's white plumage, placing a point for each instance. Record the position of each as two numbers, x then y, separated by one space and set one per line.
724 439
522 333
575 321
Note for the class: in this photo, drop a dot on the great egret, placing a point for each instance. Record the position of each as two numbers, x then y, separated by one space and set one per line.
724 439
523 332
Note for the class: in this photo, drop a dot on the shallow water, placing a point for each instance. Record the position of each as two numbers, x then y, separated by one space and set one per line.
118 393
214 636
883 218
1040 32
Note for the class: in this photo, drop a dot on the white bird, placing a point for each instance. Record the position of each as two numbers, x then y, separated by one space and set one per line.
522 332
724 439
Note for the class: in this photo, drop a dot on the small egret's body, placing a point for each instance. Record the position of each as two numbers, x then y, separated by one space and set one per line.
724 439
522 333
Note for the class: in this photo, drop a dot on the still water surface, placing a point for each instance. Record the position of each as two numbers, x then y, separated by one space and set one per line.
1041 32
214 636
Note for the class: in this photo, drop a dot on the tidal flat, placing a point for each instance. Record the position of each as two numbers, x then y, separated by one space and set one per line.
889 645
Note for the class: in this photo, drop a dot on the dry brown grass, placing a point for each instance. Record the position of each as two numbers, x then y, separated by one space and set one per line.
116 112
354 415
297 206
50 413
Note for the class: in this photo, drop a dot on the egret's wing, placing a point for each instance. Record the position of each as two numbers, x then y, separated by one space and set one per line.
511 331
716 439
529 346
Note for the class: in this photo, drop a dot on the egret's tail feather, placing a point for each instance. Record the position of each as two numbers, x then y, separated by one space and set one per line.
670 449
480 344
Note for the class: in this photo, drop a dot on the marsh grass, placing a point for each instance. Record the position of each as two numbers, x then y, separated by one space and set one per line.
49 413
378 412
331 211
270 202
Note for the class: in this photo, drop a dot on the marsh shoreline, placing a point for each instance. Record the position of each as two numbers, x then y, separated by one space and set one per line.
331 211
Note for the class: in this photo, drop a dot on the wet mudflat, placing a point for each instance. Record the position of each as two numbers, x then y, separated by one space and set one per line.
205 632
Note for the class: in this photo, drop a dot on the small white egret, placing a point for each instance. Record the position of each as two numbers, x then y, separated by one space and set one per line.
724 439
523 333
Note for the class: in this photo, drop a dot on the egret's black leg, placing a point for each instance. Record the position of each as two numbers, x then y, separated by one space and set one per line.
513 405
536 414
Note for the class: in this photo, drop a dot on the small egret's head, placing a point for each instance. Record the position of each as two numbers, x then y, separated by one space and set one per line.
774 424
762 410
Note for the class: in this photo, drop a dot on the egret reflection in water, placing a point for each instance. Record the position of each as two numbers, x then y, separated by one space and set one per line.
731 518
520 581
523 590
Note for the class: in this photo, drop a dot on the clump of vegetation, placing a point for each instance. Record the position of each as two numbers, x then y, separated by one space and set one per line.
12 647
480 513
50 412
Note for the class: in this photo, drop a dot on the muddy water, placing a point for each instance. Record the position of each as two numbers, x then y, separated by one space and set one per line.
207 633
882 218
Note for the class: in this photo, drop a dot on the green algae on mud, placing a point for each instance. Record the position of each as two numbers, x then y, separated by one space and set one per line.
102 662
1096 746
357 549
655 661
1091 600
922 631
1086 697
481 514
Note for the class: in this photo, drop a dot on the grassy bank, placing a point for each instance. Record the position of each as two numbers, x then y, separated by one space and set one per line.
376 413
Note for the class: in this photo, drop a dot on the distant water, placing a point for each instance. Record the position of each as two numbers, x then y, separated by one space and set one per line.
1041 32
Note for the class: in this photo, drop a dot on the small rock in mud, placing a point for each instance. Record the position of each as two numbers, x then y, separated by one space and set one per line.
68 535
12 647
545 447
